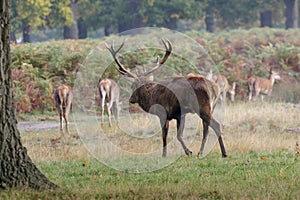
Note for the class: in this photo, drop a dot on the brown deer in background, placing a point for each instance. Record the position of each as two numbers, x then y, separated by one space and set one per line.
224 86
173 98
63 98
261 86
109 93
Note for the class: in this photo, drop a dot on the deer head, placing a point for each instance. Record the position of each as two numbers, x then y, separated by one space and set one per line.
139 79
273 75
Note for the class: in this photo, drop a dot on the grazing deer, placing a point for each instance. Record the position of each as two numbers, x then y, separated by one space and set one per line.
63 98
261 86
109 93
173 98
223 84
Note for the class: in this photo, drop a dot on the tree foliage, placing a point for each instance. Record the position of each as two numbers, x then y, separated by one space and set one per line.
121 15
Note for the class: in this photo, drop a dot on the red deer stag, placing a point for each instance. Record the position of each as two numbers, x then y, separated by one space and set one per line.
261 86
173 99
224 86
63 98
109 93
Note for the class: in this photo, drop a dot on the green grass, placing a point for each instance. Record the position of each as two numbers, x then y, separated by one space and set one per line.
263 160
262 175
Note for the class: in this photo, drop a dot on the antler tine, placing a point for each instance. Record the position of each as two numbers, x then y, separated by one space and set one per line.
168 47
114 52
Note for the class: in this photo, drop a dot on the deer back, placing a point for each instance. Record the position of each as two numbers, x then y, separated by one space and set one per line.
177 95
221 81
63 95
109 89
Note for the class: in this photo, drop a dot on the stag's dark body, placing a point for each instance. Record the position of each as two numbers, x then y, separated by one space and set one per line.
179 96
173 98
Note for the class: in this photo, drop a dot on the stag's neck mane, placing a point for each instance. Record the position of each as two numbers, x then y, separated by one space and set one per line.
145 94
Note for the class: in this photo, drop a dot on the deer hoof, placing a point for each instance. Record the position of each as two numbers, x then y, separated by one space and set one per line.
188 152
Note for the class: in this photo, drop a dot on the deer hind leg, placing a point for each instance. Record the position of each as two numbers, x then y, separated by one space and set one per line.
204 138
61 117
109 108
165 129
115 111
223 97
102 105
66 116
180 127
250 92
217 128
256 93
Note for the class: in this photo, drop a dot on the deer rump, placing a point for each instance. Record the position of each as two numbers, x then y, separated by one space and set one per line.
176 97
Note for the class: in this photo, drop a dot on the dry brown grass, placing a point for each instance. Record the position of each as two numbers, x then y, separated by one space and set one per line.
248 127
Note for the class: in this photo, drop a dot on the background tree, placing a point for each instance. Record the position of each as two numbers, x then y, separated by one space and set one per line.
29 15
291 14
71 28
16 167
93 15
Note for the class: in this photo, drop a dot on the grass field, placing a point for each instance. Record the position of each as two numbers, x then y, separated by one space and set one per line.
263 162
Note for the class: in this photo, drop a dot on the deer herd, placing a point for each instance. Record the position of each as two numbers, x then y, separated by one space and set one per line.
169 99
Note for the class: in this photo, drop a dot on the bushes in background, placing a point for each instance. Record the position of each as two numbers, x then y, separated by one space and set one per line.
39 68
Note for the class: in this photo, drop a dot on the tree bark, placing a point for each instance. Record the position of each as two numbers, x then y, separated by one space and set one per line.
16 167
71 32
266 18
291 14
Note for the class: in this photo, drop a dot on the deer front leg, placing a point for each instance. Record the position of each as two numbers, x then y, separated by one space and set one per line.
205 133
180 127
165 129
217 128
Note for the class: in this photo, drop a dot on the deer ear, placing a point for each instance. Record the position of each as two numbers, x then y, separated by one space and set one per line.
271 69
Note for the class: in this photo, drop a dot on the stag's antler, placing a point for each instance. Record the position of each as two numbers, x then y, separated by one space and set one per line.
168 47
114 52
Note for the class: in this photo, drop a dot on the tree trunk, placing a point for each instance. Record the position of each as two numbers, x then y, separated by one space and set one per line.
71 32
108 29
210 20
13 37
16 167
172 24
26 33
291 14
82 29
266 18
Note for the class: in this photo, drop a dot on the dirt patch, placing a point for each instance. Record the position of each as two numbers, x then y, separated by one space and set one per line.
37 126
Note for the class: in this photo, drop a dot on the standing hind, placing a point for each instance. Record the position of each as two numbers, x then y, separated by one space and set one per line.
109 93
63 98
